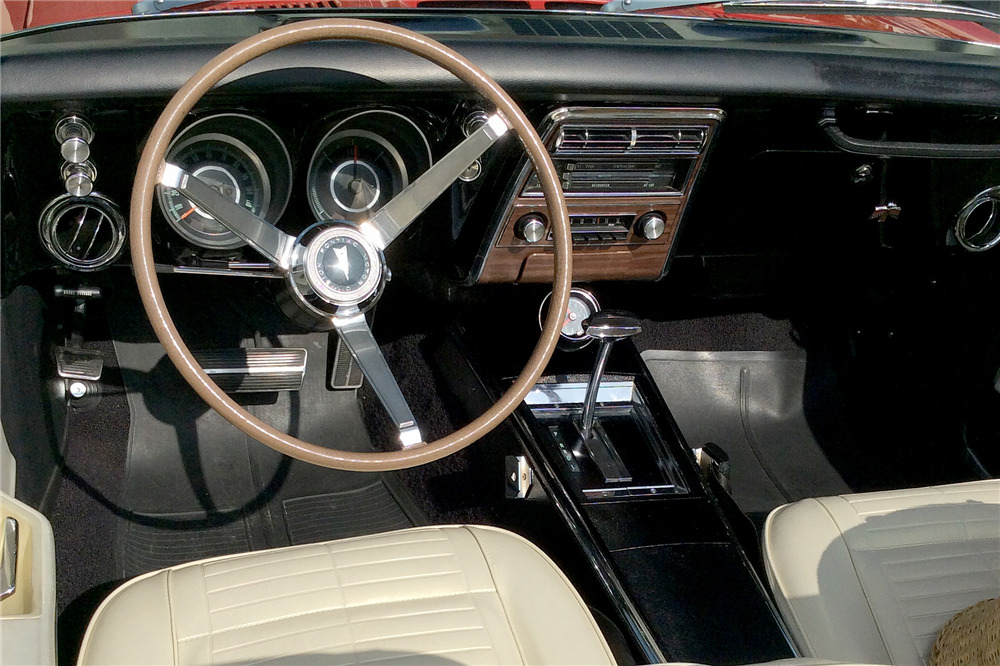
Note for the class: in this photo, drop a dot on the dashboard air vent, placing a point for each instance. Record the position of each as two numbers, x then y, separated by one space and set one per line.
83 233
584 140
592 26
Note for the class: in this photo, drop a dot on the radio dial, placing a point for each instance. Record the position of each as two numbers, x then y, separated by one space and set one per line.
531 228
651 226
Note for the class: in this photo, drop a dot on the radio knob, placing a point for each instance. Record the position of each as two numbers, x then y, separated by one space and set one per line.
651 226
531 228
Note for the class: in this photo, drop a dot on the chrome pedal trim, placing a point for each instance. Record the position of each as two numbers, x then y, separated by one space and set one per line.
75 363
254 370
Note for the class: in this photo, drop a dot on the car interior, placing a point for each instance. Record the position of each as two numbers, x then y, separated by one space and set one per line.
484 334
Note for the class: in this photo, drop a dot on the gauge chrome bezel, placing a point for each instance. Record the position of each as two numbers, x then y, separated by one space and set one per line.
566 341
396 138
266 152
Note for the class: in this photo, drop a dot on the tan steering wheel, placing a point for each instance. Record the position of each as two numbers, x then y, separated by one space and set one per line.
299 257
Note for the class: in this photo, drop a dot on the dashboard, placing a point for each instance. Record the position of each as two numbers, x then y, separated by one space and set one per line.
679 143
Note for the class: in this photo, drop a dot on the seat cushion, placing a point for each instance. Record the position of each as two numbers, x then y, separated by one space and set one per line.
873 577
430 595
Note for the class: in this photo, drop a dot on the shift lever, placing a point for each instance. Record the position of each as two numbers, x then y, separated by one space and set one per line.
607 327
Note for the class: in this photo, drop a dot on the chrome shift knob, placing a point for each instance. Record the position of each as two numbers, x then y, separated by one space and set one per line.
612 325
608 327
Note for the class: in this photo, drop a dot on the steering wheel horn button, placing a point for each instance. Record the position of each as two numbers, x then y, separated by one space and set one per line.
343 267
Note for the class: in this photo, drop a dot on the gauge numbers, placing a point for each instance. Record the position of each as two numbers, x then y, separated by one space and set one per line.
231 168
239 156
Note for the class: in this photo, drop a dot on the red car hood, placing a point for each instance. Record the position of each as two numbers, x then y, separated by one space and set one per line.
21 14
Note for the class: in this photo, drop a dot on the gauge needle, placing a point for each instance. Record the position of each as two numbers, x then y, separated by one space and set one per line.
342 263
355 161
190 210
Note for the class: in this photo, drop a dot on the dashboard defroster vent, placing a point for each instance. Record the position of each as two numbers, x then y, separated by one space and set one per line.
82 233
611 140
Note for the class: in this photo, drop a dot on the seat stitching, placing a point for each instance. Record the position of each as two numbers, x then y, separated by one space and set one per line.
269 579
941 576
378 581
309 547
400 616
396 559
429 632
222 609
918 544
496 589
929 523
854 565
429 652
285 635
949 613
263 561
170 613
950 556
347 615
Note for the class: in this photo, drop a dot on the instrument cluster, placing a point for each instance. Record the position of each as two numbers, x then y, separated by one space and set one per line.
359 163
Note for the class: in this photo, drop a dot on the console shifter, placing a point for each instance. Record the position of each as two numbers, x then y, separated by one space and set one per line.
607 327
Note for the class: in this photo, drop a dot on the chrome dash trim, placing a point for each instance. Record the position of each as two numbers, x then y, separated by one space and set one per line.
574 393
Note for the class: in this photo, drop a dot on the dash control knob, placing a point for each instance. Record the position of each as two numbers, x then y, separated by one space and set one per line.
74 135
651 226
531 228
79 178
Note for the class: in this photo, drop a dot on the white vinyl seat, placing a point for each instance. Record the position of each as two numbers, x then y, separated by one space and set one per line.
873 577
430 595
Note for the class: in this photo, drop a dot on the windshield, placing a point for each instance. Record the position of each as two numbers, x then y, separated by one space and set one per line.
973 21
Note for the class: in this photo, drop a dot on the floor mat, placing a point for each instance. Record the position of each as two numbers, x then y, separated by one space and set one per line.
194 486
147 548
758 407
350 513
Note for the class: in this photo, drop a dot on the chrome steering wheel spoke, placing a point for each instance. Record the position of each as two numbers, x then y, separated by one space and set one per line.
267 239
357 335
393 218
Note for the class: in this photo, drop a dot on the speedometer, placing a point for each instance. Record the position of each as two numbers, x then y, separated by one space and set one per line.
239 156
362 162
231 168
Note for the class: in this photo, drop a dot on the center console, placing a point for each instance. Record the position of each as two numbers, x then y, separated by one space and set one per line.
673 556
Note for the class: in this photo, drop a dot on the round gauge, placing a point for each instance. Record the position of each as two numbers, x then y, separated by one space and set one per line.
354 173
582 305
230 167
362 163
240 157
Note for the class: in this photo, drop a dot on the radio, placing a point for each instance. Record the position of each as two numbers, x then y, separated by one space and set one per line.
626 173
590 178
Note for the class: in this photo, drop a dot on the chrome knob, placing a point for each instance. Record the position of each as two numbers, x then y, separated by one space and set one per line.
612 325
75 149
474 121
651 226
79 178
531 228
74 135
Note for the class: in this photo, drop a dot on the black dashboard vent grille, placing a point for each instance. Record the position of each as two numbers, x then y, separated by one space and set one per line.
621 140
555 26
83 233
